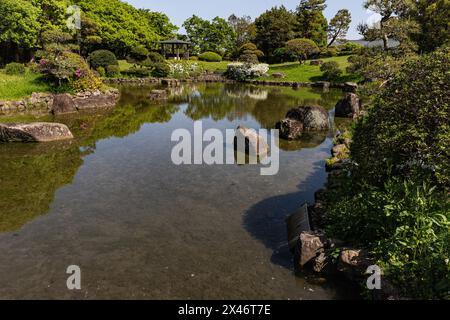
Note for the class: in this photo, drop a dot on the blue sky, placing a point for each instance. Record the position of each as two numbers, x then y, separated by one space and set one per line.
180 10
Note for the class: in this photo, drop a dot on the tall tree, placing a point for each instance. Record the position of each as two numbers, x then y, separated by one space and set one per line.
216 35
433 18
19 28
273 29
244 27
339 25
389 10
312 24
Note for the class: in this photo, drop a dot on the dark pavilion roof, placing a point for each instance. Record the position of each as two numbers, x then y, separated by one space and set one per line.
174 41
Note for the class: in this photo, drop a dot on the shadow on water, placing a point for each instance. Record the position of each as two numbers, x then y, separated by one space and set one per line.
265 221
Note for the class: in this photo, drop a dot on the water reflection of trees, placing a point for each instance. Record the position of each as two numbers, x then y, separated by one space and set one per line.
30 174
266 104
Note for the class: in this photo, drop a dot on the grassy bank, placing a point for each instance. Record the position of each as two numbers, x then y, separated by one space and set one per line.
294 71
20 86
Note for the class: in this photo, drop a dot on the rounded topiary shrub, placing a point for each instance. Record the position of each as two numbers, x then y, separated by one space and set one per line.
331 70
407 130
161 70
210 57
15 68
155 57
113 71
102 58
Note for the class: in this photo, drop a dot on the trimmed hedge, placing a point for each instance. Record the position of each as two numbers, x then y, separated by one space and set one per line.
210 57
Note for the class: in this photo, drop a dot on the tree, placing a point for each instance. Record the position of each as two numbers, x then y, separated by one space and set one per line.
216 35
339 25
249 53
301 49
273 29
433 20
312 24
160 23
244 28
389 10
19 27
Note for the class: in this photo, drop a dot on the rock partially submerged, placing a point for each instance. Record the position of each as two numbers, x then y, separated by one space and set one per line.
299 120
34 132
254 143
349 107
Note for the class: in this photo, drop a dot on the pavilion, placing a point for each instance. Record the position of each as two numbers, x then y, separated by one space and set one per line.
175 49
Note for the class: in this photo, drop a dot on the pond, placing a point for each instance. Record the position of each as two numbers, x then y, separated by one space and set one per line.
112 202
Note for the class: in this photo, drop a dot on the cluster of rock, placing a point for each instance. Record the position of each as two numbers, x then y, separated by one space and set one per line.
301 119
315 251
44 103
132 81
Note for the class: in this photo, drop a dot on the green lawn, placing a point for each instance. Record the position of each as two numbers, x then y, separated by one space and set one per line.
20 86
297 72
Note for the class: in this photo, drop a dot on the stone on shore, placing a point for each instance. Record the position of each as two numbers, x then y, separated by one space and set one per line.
349 107
34 132
63 103
350 87
310 246
353 263
278 75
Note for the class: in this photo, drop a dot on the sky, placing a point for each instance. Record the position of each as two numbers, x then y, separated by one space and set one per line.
179 10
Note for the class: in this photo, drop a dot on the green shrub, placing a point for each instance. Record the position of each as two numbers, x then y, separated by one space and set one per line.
349 48
155 57
101 71
138 54
249 58
15 68
193 58
113 71
329 52
331 70
407 131
210 57
138 72
405 225
160 70
102 58
301 49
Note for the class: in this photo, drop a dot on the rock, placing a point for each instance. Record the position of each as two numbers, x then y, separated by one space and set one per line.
349 107
97 99
319 195
278 75
310 246
312 117
34 132
316 62
254 143
324 264
340 149
290 129
308 118
63 103
353 263
350 87
158 95
318 213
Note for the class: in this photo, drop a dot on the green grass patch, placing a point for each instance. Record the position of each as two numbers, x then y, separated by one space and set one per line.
20 86
297 72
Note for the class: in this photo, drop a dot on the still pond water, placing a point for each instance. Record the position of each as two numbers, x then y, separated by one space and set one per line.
112 202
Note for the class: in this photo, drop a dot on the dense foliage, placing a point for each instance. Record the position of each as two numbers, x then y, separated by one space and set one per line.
331 70
215 35
301 49
395 202
14 68
311 23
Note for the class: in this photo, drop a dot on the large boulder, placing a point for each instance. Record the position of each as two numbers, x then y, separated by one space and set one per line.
63 103
349 107
298 120
350 87
34 132
96 99
254 143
